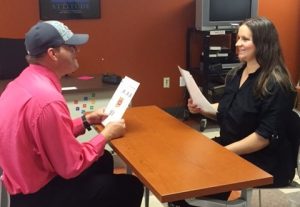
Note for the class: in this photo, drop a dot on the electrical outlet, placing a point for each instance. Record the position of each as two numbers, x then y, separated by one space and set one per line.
181 81
166 82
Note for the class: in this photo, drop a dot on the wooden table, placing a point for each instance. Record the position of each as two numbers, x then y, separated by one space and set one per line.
177 162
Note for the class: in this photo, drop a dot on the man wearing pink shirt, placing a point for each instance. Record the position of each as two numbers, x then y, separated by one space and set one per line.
43 163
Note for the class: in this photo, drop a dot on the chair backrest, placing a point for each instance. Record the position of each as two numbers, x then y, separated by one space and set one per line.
298 165
298 158
12 57
4 196
294 136
0 188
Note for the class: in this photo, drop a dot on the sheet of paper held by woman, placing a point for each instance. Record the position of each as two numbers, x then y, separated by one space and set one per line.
195 93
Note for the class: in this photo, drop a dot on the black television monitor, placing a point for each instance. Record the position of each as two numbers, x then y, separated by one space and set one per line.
69 9
12 58
223 14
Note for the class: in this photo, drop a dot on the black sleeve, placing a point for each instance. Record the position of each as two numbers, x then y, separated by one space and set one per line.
273 113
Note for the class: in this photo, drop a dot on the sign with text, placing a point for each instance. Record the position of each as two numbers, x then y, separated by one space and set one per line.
69 9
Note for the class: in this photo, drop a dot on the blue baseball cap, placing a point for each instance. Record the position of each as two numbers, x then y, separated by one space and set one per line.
46 34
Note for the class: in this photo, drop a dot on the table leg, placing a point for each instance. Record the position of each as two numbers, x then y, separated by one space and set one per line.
147 194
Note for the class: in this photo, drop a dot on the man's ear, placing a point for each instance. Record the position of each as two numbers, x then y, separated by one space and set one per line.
52 53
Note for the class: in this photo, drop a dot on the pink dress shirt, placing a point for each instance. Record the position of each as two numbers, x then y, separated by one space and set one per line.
37 135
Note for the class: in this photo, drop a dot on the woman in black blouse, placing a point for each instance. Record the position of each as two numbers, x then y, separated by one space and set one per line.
259 96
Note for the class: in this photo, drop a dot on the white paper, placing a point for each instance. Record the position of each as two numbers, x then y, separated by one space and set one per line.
120 100
195 93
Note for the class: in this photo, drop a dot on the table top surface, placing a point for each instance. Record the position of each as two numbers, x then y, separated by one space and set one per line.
176 162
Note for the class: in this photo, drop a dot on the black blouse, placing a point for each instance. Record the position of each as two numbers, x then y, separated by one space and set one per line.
241 112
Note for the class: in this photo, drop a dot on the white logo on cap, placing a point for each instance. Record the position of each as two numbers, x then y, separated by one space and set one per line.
62 29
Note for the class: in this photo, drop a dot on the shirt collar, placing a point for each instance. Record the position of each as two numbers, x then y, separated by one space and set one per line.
256 73
42 70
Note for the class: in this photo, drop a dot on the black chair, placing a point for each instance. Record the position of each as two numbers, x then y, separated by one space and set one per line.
12 57
4 196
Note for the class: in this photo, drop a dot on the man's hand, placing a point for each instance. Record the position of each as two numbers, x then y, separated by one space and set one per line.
114 130
96 117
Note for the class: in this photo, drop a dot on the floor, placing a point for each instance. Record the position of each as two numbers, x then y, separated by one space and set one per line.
269 197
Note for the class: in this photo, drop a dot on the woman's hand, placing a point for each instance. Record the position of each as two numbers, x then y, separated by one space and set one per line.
193 108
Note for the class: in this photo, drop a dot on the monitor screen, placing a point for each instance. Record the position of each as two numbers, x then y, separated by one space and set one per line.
229 10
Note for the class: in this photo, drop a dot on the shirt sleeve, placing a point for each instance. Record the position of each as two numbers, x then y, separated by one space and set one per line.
273 112
78 128
59 150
